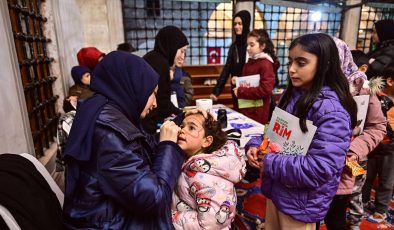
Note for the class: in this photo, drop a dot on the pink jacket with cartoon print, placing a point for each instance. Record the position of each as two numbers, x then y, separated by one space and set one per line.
205 197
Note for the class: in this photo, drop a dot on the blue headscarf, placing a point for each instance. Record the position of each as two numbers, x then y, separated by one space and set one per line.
121 79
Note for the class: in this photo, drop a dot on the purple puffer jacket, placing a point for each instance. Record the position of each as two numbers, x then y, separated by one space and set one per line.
303 186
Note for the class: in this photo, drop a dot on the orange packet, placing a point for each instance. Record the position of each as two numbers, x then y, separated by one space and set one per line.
355 168
264 144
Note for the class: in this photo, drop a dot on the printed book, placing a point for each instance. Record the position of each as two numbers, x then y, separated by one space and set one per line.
284 129
248 81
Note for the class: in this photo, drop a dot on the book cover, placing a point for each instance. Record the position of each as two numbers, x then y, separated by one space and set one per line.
284 129
246 82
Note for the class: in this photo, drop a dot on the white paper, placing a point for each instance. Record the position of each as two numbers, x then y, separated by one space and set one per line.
174 99
362 109
284 129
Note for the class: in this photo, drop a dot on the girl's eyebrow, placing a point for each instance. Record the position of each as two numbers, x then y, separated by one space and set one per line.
190 123
298 59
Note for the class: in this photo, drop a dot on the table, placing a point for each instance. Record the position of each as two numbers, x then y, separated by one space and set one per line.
248 127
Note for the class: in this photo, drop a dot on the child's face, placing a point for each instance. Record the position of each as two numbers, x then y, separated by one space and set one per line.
86 79
302 67
389 87
254 47
363 68
192 138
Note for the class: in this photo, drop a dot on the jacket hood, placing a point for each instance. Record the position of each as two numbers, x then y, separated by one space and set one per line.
227 162
376 85
168 41
77 73
349 68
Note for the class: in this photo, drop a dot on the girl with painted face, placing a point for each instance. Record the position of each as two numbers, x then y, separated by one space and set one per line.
204 197
118 177
300 188
236 56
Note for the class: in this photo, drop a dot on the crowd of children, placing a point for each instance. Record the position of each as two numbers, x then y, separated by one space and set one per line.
191 159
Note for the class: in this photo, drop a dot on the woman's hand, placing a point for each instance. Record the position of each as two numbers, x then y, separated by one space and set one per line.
233 80
253 158
169 131
235 90
213 97
352 157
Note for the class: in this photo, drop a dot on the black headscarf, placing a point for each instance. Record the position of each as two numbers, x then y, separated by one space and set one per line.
245 17
385 29
240 41
168 41
122 79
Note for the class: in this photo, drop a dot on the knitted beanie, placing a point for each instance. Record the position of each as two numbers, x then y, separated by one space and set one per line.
78 71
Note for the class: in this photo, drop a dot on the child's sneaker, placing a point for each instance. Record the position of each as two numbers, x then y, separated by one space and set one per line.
369 208
377 217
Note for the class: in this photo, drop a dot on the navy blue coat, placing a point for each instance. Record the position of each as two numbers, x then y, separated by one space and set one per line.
127 183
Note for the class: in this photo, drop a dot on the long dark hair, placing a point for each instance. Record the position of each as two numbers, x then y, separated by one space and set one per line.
263 38
328 73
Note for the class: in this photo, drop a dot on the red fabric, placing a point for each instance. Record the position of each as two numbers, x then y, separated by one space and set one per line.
265 68
250 206
89 57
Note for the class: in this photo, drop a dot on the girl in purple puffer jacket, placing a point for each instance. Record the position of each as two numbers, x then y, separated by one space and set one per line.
300 188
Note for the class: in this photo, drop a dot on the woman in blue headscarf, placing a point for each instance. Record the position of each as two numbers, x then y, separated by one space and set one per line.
118 177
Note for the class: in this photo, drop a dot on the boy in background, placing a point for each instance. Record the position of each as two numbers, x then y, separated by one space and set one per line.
381 160
356 208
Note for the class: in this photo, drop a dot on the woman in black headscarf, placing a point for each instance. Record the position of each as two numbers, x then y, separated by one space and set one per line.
169 41
117 177
236 56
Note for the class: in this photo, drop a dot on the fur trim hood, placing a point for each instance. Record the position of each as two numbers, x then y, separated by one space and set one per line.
361 86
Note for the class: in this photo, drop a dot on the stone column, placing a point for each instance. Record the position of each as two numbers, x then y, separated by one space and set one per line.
115 23
350 24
